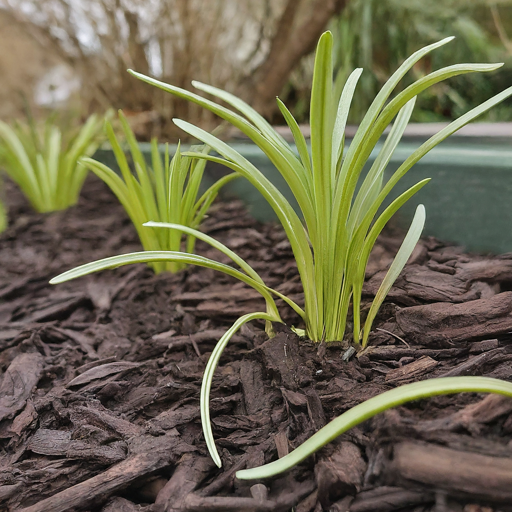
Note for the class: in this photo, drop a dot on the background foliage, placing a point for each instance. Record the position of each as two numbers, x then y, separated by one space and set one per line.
378 35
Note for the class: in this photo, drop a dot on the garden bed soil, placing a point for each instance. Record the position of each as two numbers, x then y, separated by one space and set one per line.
100 377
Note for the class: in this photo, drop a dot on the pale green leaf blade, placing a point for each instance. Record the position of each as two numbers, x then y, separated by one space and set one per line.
380 100
120 156
211 241
21 170
287 216
138 157
262 125
147 191
344 194
279 204
373 406
257 119
321 121
440 75
405 251
361 247
234 257
372 184
159 177
44 183
129 198
118 187
435 140
208 377
379 224
338 135
195 177
300 141
84 144
57 183
156 256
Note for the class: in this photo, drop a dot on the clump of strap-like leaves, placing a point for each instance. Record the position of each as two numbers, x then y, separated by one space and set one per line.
167 191
340 222
44 161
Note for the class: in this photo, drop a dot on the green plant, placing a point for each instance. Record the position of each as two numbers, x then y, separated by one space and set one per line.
166 192
44 163
341 224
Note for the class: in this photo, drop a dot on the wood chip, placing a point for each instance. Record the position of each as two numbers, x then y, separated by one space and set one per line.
473 320
18 381
412 370
98 372
472 474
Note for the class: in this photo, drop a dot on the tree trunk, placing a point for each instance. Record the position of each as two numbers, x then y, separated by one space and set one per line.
291 42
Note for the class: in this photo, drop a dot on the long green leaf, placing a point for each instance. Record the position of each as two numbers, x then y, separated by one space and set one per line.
208 377
159 181
155 256
373 112
433 142
195 178
293 168
56 182
374 132
338 135
230 254
120 189
408 245
372 184
373 406
252 115
324 173
362 246
359 151
300 141
394 106
321 120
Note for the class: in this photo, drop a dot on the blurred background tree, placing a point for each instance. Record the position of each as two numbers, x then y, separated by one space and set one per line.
257 49
245 46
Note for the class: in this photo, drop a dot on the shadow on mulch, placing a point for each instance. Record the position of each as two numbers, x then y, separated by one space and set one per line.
100 377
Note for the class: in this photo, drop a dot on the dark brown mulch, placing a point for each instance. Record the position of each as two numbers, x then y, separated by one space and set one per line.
100 378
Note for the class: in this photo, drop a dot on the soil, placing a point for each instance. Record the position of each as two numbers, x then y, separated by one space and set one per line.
100 377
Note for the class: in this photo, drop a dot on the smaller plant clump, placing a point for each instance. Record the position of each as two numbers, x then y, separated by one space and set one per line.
44 162
168 191
340 225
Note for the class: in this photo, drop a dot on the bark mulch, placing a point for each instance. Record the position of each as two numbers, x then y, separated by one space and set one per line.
100 377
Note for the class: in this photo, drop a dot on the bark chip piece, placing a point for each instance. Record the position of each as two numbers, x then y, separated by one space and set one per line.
412 370
441 322
19 380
